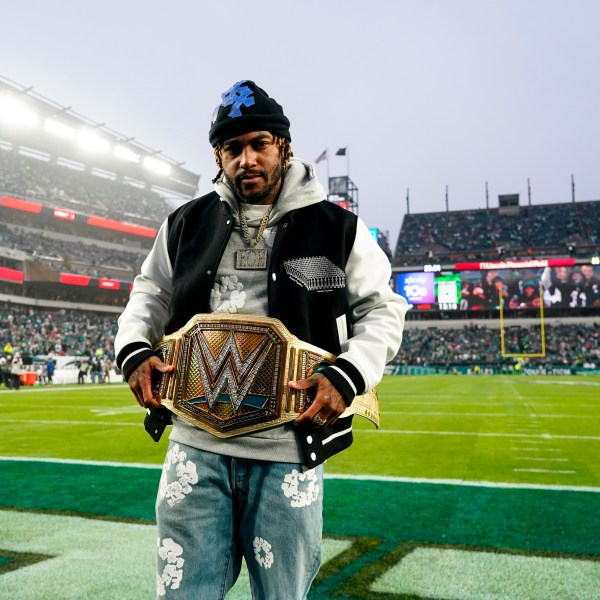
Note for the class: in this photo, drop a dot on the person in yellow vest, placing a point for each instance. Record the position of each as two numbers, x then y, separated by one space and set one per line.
518 368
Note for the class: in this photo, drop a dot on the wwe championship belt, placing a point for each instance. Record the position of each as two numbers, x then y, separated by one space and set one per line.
232 372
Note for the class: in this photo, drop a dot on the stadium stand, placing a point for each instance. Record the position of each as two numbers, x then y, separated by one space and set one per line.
38 332
75 228
63 252
572 345
545 229
80 204
64 187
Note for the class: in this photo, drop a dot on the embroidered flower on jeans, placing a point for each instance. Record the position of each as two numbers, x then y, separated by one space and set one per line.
172 573
262 552
302 488
186 474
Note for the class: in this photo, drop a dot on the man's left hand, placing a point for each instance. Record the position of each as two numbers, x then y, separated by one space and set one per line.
328 404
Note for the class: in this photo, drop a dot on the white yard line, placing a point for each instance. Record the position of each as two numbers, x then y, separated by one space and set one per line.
544 471
514 449
64 422
542 458
464 482
94 387
72 461
545 436
340 476
517 418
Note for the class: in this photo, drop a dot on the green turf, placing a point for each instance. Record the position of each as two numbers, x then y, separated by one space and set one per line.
482 428
430 513
91 422
520 429
540 435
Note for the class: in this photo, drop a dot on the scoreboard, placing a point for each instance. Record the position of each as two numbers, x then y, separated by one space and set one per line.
515 284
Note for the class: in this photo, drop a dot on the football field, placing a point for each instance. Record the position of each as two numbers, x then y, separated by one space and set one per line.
475 487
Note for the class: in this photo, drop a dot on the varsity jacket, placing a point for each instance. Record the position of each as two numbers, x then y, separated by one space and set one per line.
328 282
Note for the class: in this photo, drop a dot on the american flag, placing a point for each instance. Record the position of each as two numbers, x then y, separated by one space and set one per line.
322 156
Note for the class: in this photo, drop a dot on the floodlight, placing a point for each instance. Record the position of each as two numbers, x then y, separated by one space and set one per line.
124 153
92 141
156 165
59 129
14 112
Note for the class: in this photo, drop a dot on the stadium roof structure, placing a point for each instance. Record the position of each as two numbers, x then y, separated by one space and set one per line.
44 129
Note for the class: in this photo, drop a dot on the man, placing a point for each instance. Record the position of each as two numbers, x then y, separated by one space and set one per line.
557 287
16 367
50 366
529 298
266 243
591 284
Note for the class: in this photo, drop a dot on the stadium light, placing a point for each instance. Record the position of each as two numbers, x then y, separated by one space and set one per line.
158 166
124 153
92 141
60 129
16 113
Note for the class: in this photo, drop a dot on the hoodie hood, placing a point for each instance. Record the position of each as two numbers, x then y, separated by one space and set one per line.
300 188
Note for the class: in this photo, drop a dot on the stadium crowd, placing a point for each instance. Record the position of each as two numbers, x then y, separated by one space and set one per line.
567 345
64 187
71 255
479 232
35 331
454 235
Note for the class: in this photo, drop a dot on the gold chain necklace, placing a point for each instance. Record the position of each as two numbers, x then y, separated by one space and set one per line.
261 228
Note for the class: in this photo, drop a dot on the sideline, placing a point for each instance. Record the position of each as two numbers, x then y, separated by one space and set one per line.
64 387
337 476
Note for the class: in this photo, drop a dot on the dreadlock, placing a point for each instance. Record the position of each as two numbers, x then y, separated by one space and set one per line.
217 153
285 152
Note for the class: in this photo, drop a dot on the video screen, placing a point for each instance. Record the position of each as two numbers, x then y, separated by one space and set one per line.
557 287
417 287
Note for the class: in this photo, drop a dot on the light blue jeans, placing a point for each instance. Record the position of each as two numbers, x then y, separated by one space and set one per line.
211 510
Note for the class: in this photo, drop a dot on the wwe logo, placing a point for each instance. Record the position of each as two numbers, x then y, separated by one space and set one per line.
228 370
237 96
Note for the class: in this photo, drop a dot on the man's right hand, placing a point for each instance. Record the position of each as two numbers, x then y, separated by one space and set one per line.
140 381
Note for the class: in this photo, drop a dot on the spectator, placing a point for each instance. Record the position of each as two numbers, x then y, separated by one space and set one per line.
4 371
16 368
50 365
82 369
529 298
591 285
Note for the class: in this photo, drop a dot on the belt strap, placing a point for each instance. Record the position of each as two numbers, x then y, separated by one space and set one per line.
231 374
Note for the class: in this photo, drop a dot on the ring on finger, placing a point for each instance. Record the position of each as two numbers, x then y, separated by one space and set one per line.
318 421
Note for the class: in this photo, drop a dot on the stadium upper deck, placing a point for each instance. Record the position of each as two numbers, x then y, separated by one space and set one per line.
76 224
531 231
54 154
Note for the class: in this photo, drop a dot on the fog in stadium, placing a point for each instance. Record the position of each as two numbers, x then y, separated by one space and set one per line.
423 95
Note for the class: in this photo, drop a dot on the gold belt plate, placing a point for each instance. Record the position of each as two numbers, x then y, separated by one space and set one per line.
232 372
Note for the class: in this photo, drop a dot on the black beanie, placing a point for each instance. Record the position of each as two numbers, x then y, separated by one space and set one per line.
246 107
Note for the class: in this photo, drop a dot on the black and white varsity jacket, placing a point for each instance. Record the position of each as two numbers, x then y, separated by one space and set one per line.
348 310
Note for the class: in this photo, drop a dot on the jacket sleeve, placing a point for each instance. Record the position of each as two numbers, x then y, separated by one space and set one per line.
377 319
142 322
